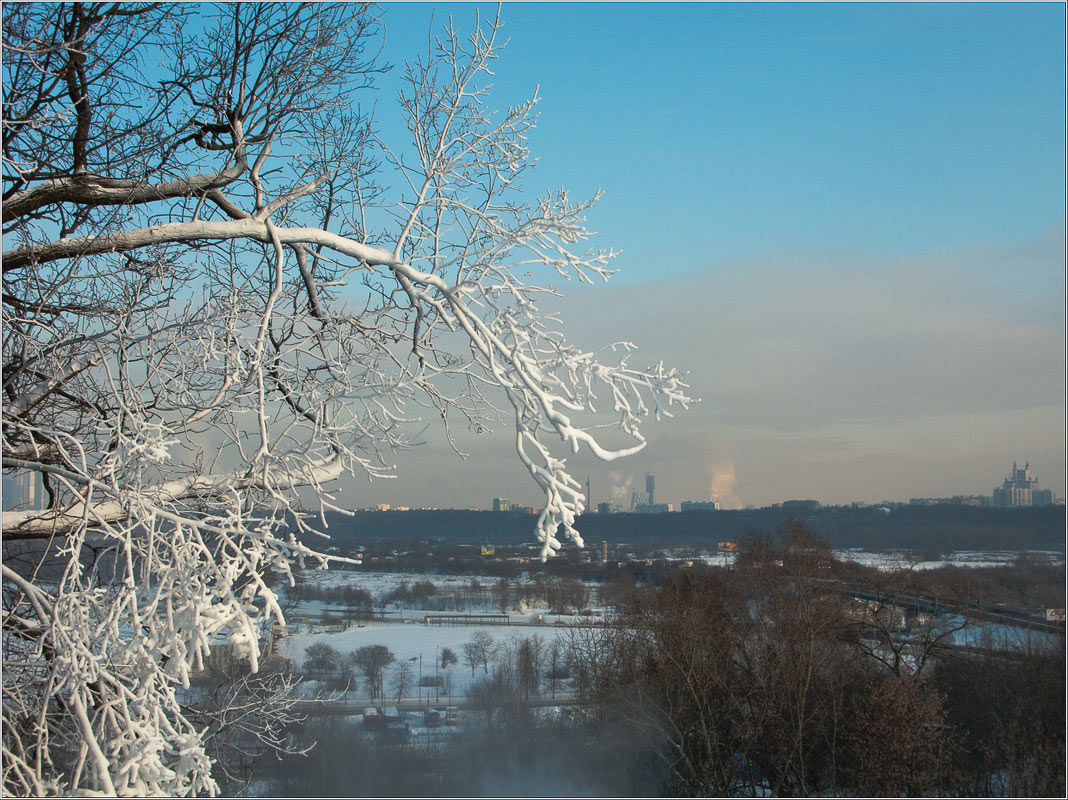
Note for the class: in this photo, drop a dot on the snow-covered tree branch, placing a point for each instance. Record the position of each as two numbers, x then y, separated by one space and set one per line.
215 307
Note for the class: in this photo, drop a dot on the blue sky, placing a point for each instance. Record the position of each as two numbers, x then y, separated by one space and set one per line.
737 128
858 207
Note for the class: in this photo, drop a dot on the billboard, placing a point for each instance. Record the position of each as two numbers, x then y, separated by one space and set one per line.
1055 614
488 550
727 547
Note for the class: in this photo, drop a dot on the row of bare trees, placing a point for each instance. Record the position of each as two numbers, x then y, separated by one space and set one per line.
766 679
523 668
323 662
562 595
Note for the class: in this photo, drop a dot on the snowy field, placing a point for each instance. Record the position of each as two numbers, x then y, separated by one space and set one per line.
415 643
379 584
959 559
895 560
997 635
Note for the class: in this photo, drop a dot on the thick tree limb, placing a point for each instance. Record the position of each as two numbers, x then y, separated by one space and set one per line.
33 524
195 231
97 190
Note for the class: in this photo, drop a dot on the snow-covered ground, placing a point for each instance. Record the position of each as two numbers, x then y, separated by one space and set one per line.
1001 636
964 558
413 642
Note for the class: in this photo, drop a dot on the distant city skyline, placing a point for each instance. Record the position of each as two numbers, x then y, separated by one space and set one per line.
846 221
1022 487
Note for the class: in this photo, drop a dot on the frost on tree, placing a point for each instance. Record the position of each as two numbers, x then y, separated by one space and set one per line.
215 306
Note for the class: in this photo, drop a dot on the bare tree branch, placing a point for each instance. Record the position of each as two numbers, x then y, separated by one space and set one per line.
191 368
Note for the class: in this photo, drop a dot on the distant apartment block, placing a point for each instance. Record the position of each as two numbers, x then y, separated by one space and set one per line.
698 505
502 504
956 500
652 508
23 491
1021 489
800 506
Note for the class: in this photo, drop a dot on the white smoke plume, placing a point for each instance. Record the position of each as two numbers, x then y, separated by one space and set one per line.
724 486
622 487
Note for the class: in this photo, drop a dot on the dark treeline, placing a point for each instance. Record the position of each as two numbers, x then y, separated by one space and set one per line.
943 528
1030 585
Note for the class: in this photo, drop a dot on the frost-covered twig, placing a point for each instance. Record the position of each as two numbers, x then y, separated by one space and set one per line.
190 370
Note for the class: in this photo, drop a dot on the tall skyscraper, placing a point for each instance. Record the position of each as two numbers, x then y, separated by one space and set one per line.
650 489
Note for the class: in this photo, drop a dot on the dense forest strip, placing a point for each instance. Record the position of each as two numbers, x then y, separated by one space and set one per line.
939 529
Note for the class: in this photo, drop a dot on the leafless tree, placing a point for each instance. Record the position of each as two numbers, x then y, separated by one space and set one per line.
320 659
214 308
402 679
738 681
372 660
472 656
482 648
566 595
898 741
529 653
894 635
245 718
503 592
448 657
556 664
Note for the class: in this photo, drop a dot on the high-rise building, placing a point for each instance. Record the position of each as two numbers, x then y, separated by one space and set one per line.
500 504
22 491
650 489
1021 489
638 499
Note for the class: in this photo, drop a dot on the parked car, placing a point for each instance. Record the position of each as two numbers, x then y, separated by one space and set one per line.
372 720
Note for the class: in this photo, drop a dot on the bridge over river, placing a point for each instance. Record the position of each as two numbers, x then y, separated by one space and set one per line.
914 604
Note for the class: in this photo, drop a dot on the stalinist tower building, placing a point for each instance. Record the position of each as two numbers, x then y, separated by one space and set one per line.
1021 489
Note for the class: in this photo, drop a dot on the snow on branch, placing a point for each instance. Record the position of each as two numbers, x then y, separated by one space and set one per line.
216 311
